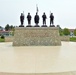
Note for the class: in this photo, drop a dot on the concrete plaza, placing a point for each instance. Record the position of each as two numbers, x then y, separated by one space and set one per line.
52 60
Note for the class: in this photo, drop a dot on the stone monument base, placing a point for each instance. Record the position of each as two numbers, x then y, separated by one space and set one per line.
36 36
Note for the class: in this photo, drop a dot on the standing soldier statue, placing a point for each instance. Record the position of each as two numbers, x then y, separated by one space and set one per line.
22 20
29 19
44 19
51 19
36 20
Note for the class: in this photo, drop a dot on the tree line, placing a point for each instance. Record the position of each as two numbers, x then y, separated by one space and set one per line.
66 31
62 32
7 27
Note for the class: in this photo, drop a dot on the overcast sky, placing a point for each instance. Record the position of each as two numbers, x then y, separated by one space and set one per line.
64 11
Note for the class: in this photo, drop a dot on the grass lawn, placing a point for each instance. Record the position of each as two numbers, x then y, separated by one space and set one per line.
73 39
2 40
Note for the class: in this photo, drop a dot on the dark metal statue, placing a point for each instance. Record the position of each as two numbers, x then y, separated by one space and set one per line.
36 20
29 18
51 19
22 19
44 18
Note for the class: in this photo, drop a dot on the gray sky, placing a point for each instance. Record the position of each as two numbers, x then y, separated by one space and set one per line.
63 10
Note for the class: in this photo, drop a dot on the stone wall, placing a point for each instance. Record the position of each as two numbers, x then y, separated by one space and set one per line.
36 36
9 39
65 38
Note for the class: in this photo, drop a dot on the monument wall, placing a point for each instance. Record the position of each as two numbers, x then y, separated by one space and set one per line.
65 38
36 36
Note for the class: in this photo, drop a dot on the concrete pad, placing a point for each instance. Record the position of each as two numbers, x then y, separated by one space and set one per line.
53 60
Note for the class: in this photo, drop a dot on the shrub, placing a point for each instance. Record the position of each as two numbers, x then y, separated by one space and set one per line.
66 31
2 36
75 32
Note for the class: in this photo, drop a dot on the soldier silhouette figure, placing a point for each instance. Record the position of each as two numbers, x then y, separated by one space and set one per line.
44 18
22 19
36 19
51 19
29 19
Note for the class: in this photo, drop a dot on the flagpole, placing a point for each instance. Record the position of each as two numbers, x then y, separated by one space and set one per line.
50 12
37 8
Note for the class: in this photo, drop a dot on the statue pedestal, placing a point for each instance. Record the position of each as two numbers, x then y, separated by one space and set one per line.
36 36
44 26
21 26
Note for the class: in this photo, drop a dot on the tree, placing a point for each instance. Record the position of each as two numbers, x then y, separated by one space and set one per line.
11 27
60 30
59 26
66 31
7 27
75 32
2 36
1 28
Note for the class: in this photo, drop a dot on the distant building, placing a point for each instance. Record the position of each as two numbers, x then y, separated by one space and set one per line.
71 32
6 33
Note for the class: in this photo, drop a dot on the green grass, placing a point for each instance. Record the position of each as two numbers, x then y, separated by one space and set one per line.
2 40
73 39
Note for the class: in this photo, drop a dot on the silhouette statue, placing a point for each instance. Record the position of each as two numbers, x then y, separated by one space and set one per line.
36 20
22 20
51 19
29 18
44 18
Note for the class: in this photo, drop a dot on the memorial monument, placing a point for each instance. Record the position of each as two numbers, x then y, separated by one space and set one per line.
36 36
50 59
